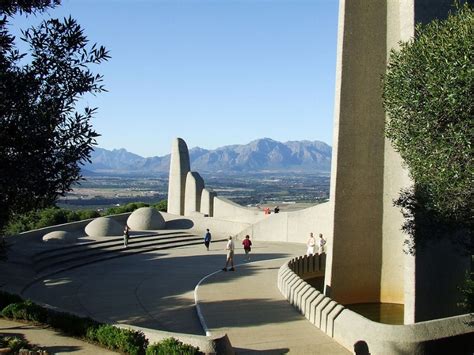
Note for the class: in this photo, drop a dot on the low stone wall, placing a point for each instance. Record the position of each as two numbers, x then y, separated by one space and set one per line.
293 226
76 228
454 335
231 211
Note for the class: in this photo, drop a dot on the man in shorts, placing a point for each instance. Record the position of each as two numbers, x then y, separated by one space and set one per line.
230 255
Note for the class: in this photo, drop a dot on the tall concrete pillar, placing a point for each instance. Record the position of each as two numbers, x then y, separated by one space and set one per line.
179 168
365 261
354 261
194 187
207 202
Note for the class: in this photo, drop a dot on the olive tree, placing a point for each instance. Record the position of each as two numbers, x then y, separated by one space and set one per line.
427 93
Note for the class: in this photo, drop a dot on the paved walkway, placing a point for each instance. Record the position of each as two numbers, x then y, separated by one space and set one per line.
49 340
156 290
248 306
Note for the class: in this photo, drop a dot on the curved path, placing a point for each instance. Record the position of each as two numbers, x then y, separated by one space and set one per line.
155 289
255 316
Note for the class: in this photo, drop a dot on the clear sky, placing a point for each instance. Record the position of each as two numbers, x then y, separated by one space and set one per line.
214 72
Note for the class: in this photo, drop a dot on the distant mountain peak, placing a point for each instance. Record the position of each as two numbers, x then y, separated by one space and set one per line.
264 154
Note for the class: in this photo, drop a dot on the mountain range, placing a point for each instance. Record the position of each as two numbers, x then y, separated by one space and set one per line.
261 155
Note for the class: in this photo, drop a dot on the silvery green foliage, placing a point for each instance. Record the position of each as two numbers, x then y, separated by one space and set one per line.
427 93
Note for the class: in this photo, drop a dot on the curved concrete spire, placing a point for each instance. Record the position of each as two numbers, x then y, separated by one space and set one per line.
179 168
194 187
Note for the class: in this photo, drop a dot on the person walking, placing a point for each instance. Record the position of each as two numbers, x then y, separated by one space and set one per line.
207 239
126 235
230 255
311 244
247 243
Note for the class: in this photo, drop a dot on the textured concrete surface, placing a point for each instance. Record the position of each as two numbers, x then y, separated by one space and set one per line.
247 305
192 196
179 167
156 290
146 218
104 227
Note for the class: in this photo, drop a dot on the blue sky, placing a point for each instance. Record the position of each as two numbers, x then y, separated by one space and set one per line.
214 72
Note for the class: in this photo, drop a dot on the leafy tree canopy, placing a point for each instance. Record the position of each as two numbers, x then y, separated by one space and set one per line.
43 138
427 93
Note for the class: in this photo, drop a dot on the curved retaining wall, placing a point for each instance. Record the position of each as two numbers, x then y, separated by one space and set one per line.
453 335
293 226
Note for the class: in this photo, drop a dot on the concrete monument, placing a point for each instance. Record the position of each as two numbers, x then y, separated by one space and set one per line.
179 168
193 191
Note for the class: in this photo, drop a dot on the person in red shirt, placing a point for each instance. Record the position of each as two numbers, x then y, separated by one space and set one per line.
247 244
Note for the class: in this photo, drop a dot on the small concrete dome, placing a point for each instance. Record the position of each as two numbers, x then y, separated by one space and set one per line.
146 218
104 227
58 237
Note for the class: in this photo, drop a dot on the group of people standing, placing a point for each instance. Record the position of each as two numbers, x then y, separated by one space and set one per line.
312 243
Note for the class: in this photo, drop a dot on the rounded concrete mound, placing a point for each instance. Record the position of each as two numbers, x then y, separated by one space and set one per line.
103 227
59 237
146 218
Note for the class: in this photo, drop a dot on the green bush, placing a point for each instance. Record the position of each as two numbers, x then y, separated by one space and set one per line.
123 340
172 346
14 343
71 324
7 299
129 207
161 206
26 310
427 95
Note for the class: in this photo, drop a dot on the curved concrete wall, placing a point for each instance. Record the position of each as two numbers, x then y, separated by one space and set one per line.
226 209
292 226
193 191
452 335
198 224
75 228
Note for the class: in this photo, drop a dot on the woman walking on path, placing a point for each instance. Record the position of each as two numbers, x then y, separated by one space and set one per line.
247 243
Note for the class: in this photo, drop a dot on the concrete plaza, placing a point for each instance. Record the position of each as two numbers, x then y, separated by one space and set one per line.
156 290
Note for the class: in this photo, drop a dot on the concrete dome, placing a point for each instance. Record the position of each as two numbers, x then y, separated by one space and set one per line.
104 227
59 237
146 218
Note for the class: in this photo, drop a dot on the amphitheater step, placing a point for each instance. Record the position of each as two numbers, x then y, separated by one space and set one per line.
61 259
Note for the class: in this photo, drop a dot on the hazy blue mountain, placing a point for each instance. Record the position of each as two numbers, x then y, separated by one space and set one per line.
260 155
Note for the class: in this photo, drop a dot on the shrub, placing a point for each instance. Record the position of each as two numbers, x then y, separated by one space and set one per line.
129 207
87 214
172 346
71 324
428 97
8 298
123 340
26 310
14 343
161 206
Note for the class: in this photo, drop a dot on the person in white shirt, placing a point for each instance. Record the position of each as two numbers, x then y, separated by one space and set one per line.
322 243
311 244
230 255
